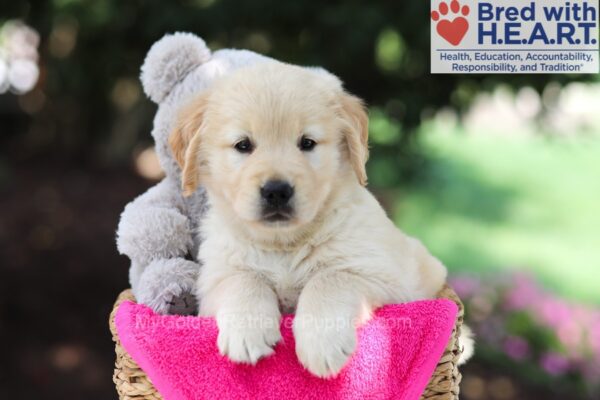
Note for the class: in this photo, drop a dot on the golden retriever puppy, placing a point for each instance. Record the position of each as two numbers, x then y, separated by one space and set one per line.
281 151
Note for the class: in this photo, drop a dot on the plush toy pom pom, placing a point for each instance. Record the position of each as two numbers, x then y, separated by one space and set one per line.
169 61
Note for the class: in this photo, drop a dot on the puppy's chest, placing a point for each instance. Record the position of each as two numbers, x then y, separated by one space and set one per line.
287 275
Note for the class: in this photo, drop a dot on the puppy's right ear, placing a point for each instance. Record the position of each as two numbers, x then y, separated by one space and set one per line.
185 143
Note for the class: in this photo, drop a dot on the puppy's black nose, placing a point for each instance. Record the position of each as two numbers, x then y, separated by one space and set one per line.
276 193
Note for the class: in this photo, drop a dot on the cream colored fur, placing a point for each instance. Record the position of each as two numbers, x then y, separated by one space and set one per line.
337 259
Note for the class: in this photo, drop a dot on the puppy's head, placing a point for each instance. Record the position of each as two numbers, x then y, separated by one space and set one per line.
271 142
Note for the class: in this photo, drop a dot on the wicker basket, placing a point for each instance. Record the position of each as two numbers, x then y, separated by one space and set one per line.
133 384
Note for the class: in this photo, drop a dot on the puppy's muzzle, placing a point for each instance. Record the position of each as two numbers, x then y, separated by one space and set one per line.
276 196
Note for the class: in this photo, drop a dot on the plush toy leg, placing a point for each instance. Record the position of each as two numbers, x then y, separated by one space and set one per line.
168 286
184 304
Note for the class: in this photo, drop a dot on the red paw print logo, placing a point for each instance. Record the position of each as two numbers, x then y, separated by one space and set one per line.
453 30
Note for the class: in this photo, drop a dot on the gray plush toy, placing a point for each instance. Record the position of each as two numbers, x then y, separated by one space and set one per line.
158 230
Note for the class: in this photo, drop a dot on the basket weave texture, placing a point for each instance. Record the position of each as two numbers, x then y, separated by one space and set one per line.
133 384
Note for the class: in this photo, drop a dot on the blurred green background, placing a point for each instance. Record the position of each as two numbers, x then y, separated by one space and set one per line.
498 175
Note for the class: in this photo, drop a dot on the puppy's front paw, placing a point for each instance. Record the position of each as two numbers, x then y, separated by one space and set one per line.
247 339
323 346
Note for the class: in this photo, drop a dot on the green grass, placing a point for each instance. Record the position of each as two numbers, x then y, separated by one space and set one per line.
524 203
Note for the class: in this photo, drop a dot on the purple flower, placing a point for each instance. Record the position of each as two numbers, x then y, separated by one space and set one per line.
491 330
493 302
465 286
554 363
553 312
594 337
516 348
570 335
523 293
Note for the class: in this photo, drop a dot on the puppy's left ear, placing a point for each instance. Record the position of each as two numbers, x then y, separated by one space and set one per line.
356 134
185 143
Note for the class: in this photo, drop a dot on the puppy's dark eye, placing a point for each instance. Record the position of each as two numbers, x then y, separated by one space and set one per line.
306 144
244 146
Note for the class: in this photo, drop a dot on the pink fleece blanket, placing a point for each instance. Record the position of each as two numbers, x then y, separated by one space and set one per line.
397 353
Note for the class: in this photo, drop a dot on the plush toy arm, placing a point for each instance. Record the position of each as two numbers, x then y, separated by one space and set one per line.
153 226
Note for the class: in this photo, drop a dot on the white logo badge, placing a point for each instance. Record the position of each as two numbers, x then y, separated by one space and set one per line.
514 36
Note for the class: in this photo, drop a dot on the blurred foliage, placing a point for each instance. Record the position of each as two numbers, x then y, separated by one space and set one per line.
89 104
495 203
